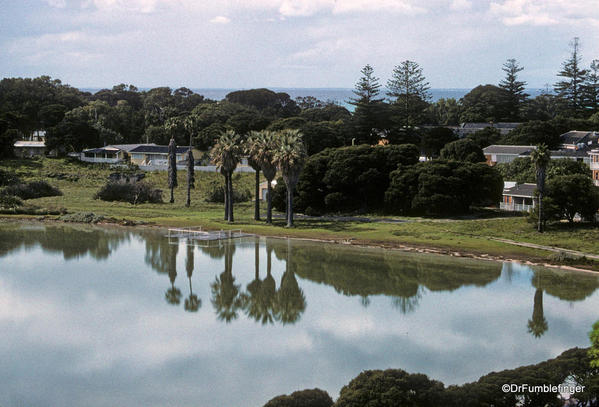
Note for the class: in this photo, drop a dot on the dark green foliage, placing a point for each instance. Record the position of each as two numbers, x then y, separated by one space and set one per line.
573 194
533 133
31 190
287 123
442 188
329 112
8 178
303 398
265 100
370 114
444 112
409 90
485 137
216 193
391 387
279 195
485 103
522 169
7 141
350 178
172 167
571 88
462 150
134 193
433 140
8 201
514 88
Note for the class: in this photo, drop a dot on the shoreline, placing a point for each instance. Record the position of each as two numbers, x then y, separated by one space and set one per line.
358 243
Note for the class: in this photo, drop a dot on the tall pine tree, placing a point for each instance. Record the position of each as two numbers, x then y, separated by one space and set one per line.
408 89
368 116
571 88
514 88
591 88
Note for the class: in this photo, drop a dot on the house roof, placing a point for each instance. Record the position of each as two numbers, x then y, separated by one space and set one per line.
575 137
501 149
521 190
582 153
109 149
155 149
26 143
129 147
482 125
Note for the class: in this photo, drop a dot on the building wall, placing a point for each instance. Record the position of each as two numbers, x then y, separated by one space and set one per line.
28 152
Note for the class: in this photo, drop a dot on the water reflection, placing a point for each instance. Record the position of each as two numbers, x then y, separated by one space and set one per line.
192 303
100 333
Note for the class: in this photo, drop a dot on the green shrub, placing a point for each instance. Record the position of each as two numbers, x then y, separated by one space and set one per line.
134 193
9 201
8 178
32 190
216 193
303 398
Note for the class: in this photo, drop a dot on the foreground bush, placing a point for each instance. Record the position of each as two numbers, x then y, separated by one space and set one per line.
9 201
303 398
8 178
216 193
32 190
134 193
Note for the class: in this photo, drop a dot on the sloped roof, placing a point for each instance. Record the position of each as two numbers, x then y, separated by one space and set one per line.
577 137
155 149
482 125
502 149
582 153
129 147
26 143
522 190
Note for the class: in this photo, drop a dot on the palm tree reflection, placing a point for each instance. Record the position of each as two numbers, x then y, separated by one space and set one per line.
291 301
173 294
226 298
192 303
537 325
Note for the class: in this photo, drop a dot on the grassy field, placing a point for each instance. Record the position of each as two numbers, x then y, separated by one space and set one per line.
465 236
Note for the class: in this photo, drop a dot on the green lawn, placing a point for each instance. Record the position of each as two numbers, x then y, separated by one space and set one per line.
448 235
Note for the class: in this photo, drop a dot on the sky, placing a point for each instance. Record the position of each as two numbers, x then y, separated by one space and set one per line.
290 43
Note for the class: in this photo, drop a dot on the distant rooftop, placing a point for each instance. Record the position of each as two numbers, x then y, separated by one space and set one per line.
27 143
155 149
498 125
503 149
521 190
575 137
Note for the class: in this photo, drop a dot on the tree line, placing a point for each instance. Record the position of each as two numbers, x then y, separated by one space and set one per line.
75 119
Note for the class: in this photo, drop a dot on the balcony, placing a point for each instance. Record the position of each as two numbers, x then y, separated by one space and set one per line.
513 207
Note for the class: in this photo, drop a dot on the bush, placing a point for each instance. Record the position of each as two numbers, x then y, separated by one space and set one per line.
216 193
303 398
9 201
133 193
32 190
8 178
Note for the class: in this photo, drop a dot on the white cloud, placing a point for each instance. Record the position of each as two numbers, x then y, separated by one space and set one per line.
460 5
544 12
220 20
57 3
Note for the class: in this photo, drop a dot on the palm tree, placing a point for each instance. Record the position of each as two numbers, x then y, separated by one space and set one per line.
189 124
537 325
540 157
262 152
250 148
226 154
290 157
172 167
192 303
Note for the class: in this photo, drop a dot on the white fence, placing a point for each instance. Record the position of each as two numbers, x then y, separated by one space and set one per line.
515 207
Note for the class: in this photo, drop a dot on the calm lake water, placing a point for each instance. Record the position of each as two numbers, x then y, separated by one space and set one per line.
112 317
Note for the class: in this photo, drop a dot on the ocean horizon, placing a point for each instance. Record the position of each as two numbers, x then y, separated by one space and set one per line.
339 96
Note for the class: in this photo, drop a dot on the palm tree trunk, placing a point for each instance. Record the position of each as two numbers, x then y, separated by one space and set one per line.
226 192
231 198
540 225
172 196
257 203
269 202
188 203
289 206
257 260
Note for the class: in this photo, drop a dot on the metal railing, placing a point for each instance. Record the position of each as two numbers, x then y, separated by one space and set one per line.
515 207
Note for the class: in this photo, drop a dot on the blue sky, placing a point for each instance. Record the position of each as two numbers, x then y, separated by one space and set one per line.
289 43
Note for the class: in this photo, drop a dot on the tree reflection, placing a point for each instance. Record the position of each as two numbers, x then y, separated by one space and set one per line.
291 301
173 294
226 298
251 299
268 291
537 325
192 303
